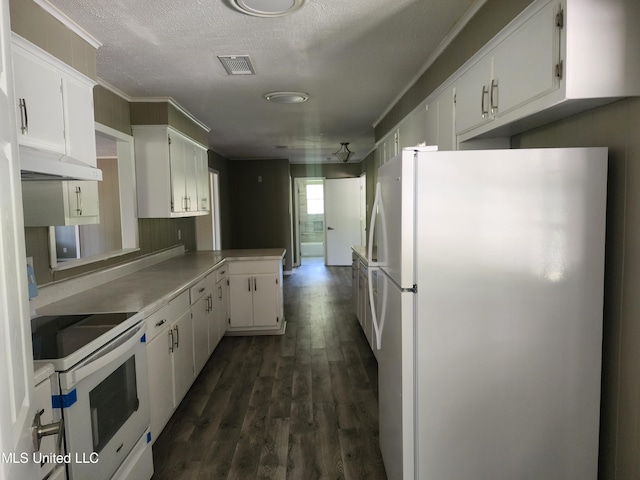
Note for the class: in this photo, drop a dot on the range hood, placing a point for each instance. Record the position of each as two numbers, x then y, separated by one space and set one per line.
37 164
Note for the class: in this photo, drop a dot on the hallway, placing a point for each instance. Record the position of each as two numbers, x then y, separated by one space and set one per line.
298 406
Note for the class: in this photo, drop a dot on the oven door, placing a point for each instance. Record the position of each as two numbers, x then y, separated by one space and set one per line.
105 405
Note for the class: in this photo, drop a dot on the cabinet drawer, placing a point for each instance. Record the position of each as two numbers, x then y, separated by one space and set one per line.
243 267
160 319
221 273
198 290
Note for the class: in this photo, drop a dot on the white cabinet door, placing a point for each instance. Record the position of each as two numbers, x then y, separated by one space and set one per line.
218 325
159 365
39 105
241 300
265 300
177 147
473 96
202 179
48 203
182 356
82 199
521 72
439 121
191 179
79 121
200 314
223 306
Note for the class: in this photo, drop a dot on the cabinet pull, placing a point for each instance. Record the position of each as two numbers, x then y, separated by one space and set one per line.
177 337
24 117
255 284
161 322
220 292
171 340
249 283
201 290
79 200
494 86
482 110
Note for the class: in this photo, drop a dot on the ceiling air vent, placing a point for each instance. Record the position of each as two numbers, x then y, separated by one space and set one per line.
237 64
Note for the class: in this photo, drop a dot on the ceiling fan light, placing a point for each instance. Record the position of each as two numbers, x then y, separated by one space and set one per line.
343 154
267 8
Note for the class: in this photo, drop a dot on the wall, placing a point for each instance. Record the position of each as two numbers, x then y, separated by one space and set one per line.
618 127
221 165
30 21
261 217
165 113
111 110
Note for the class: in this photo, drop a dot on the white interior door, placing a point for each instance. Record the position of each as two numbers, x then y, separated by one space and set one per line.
16 367
342 219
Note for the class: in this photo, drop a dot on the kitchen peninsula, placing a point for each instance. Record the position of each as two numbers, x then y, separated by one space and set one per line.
179 305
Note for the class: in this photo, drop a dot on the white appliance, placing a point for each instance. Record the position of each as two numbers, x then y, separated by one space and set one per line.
101 366
488 316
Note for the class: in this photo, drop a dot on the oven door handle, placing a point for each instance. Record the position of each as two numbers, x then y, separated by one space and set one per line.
107 354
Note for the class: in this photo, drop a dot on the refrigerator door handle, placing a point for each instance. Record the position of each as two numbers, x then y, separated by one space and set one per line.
374 316
372 226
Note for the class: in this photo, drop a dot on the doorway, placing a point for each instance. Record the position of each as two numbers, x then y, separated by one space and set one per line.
208 226
310 219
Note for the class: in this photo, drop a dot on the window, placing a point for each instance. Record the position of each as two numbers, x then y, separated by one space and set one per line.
315 199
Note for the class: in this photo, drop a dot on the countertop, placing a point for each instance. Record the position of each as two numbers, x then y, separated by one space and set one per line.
147 290
361 251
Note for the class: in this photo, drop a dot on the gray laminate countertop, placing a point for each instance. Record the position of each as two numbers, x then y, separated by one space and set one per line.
148 289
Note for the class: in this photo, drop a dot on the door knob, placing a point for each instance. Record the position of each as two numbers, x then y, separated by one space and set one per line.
38 431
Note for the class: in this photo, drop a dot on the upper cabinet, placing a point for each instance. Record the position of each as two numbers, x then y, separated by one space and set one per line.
47 203
554 59
54 105
171 173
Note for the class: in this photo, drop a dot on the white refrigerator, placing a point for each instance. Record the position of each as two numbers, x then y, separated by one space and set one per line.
488 317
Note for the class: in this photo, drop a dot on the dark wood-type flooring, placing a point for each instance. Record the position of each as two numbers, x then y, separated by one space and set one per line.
298 406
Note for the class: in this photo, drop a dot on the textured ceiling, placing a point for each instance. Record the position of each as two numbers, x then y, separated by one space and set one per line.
352 57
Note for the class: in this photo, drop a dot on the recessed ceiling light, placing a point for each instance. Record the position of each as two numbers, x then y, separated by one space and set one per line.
286 97
267 8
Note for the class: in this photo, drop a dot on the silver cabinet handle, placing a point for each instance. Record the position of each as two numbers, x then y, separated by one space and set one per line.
38 431
492 97
171 340
24 117
79 200
220 292
255 284
483 112
177 336
330 228
249 283
161 322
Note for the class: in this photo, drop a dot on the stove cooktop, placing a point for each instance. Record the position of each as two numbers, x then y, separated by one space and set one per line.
60 336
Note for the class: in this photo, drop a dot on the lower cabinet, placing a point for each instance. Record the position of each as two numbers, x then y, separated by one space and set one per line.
361 303
169 359
181 350
220 309
201 306
255 296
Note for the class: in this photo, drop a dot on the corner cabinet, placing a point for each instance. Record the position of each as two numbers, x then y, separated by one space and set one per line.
255 297
171 173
